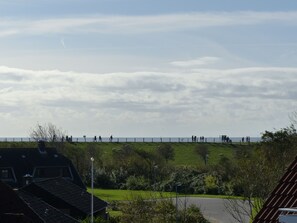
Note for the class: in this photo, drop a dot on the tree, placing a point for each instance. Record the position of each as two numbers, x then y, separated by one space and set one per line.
202 151
166 151
48 132
280 147
259 169
251 181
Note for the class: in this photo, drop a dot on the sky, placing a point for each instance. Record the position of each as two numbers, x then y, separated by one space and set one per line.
148 68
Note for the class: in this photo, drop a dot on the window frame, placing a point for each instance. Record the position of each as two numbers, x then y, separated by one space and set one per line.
13 179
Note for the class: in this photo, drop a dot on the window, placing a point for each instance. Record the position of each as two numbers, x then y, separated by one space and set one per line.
7 174
4 174
66 172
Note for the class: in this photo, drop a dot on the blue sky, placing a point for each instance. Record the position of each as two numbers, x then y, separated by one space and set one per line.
148 68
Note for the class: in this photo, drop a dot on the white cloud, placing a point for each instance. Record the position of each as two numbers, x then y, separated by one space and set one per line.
144 88
196 62
252 94
140 24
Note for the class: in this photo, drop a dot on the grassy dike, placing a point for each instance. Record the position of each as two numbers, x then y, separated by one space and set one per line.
185 154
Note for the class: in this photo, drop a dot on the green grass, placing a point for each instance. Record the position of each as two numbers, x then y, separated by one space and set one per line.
122 195
185 154
215 196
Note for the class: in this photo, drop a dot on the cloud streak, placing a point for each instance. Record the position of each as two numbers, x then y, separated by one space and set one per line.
141 24
196 62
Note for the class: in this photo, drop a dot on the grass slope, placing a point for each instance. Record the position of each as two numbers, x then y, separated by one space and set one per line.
185 154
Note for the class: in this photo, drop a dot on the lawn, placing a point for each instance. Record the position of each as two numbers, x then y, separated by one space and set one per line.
122 195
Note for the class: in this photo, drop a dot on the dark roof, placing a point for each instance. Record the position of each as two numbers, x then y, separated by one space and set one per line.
24 160
47 212
13 208
283 196
15 218
68 192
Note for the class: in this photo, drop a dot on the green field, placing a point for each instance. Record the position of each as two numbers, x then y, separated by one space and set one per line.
122 195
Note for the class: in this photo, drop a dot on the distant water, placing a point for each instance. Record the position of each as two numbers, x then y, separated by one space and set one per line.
138 139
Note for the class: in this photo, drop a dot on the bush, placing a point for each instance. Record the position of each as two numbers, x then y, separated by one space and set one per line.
155 211
137 183
103 179
188 180
194 215
211 184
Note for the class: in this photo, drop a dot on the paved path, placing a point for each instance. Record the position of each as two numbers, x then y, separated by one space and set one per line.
212 208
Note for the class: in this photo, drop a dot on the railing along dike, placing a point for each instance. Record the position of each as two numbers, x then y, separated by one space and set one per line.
141 139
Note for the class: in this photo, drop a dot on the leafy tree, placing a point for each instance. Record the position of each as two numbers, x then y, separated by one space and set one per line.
80 155
258 170
166 151
202 151
280 147
79 158
225 168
